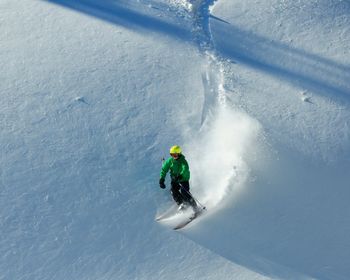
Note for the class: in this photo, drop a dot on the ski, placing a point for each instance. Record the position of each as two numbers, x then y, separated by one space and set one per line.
189 220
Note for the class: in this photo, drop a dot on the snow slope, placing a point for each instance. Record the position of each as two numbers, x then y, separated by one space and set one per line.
91 101
95 92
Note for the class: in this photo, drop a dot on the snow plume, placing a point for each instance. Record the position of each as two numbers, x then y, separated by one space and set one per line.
218 154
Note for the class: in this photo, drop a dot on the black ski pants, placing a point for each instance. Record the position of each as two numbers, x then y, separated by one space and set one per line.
181 193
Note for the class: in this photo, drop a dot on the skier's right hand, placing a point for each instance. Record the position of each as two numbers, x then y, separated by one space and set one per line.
161 183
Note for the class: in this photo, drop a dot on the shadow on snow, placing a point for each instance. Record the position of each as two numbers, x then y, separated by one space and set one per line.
123 15
309 71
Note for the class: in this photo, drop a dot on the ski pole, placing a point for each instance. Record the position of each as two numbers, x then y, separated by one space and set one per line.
196 200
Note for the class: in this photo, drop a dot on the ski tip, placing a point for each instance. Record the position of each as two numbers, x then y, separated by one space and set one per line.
192 218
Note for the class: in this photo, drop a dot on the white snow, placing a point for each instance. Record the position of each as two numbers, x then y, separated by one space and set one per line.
95 92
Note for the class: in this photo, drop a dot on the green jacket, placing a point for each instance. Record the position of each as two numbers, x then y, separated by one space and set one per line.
177 167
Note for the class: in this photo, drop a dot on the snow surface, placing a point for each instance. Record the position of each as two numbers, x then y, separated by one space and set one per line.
95 92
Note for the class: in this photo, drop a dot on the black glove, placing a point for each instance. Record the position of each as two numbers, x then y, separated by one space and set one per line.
161 183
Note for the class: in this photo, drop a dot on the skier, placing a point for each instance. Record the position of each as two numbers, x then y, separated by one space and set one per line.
180 176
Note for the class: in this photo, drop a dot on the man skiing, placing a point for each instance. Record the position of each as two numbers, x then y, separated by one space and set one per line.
180 176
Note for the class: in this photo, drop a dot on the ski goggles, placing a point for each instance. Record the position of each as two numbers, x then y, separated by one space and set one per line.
175 155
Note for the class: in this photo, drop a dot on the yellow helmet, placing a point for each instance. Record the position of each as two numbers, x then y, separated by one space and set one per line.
175 150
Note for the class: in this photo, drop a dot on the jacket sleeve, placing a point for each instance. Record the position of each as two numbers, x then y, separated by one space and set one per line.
165 169
185 171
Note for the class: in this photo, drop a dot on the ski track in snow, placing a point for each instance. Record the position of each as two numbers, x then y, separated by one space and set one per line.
221 123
